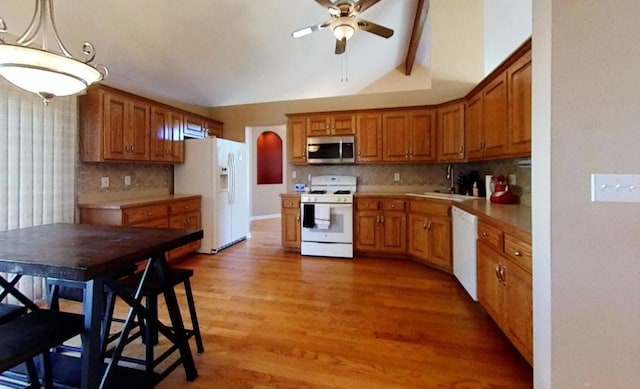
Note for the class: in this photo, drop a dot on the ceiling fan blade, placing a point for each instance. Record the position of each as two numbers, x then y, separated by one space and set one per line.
308 30
374 28
341 45
363 5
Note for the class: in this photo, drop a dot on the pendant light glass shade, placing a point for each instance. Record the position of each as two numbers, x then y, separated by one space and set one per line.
46 73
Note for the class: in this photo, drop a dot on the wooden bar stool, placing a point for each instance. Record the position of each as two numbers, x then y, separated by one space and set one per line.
33 334
152 290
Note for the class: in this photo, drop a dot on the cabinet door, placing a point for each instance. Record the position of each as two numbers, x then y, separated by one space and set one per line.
418 236
519 79
366 230
139 122
395 137
318 125
291 216
422 130
369 138
343 125
297 140
193 127
519 309
439 245
175 138
160 129
495 117
394 232
115 141
213 128
490 289
473 135
451 133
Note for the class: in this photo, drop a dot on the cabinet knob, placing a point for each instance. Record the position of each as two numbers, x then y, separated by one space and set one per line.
393 205
298 217
484 234
429 225
517 253
149 213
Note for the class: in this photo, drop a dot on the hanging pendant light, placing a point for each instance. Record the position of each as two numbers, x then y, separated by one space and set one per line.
46 73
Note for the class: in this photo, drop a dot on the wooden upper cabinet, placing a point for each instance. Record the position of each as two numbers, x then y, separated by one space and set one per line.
395 136
193 127
422 136
297 140
213 127
368 138
495 117
167 142
519 80
125 128
119 126
451 136
473 134
338 124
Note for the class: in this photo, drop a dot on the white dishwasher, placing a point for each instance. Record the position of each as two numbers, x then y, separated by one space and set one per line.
465 233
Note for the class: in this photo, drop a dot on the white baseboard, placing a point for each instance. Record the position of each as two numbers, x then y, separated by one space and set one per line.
262 217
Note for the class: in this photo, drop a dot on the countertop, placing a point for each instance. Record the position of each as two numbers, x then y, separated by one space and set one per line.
135 202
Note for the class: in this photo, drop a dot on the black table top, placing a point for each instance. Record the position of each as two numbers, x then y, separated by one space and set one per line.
82 252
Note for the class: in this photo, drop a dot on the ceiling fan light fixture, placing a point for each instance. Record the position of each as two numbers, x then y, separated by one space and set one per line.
46 73
343 31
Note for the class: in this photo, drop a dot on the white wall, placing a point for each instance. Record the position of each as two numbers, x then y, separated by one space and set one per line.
585 83
265 199
507 24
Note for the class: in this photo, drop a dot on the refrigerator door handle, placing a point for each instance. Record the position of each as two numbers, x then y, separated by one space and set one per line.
231 178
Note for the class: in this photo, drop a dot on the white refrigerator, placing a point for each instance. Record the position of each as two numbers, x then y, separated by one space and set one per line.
216 169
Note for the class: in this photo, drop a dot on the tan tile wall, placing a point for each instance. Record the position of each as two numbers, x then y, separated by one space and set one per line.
420 177
146 180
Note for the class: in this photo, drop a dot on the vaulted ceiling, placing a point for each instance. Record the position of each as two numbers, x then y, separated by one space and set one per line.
229 52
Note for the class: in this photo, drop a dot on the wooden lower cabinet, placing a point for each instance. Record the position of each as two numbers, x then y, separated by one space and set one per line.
291 221
505 285
430 233
165 212
380 225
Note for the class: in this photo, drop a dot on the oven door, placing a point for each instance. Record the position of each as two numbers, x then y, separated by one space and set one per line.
340 225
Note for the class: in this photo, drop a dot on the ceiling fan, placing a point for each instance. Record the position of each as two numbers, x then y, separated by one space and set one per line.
344 21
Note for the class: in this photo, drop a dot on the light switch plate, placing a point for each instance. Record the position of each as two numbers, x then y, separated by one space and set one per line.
127 180
616 188
396 177
104 182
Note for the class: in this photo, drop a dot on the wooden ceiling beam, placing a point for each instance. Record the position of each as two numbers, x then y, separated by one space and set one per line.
416 33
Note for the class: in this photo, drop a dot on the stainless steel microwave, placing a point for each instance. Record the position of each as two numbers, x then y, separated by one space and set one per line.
331 150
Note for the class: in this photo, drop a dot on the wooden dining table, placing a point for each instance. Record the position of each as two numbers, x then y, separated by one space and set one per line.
93 255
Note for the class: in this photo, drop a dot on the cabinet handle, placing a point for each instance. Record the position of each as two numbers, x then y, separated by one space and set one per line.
503 275
424 225
498 273
359 153
393 205
429 225
406 155
517 253
298 217
149 214
484 234
461 150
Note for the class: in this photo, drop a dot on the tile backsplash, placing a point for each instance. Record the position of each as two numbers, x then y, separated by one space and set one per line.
414 177
146 180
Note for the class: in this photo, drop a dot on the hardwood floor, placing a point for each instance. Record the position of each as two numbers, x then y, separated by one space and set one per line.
272 319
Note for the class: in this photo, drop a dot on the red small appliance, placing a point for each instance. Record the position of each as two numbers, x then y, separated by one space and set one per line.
501 193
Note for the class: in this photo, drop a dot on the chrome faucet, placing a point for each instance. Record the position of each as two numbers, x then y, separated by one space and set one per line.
451 178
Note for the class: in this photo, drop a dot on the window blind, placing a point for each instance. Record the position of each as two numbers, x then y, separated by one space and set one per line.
38 148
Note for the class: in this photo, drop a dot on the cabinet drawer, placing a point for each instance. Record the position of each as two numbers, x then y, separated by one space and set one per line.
435 208
518 251
139 215
393 205
291 202
367 203
184 206
491 235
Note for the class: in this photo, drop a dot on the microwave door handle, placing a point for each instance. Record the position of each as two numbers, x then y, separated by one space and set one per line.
340 150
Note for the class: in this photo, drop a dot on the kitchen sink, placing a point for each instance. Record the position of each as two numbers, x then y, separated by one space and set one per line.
442 196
